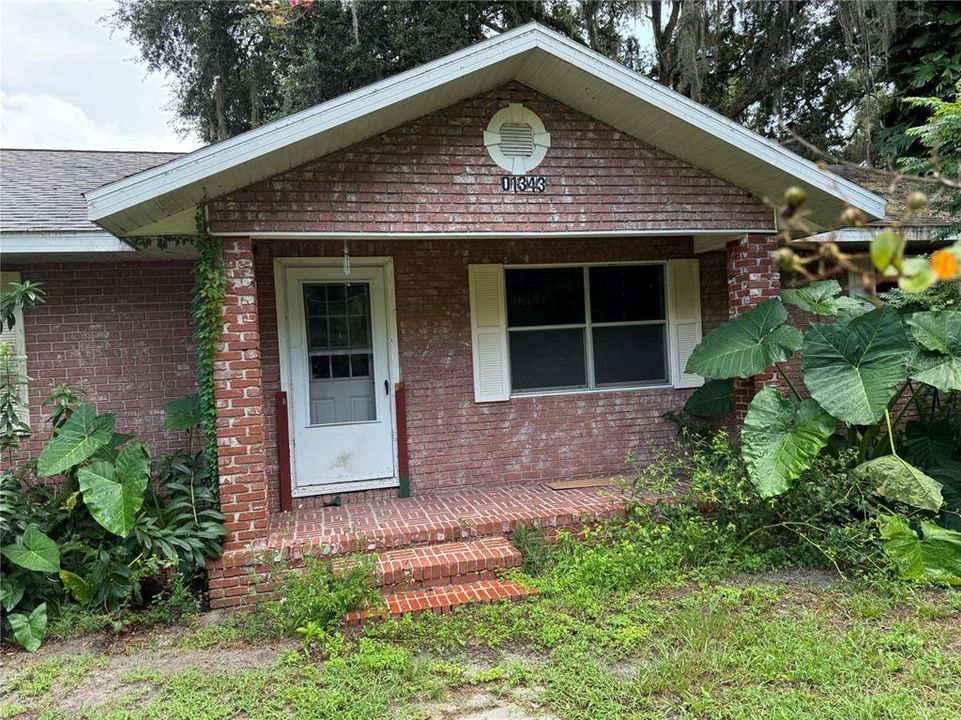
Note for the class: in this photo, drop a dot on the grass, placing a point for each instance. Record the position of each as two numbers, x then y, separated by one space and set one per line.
645 624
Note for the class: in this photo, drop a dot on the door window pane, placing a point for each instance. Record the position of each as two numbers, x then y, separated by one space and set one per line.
542 359
545 296
340 358
627 354
627 293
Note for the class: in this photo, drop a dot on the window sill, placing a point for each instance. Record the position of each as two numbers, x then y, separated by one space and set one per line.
588 391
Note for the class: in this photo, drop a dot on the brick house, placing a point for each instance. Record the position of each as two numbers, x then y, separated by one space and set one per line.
484 272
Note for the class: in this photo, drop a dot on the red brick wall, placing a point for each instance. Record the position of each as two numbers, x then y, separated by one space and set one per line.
435 175
453 440
119 331
240 403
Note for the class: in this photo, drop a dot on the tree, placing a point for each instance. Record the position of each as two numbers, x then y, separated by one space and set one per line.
924 60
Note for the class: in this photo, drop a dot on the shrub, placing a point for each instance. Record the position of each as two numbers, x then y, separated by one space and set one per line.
320 596
824 519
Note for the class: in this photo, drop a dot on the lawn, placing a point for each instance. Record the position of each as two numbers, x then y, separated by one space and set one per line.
650 622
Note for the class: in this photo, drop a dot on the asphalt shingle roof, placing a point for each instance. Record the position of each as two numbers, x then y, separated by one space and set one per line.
43 189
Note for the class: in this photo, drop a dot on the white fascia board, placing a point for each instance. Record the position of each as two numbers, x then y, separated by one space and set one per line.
714 123
66 241
203 163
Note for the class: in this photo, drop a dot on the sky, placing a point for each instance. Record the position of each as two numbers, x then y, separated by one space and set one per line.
67 82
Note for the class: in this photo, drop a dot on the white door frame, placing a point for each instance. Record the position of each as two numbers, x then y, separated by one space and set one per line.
281 265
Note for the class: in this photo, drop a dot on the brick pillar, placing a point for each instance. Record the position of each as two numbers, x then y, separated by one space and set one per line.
752 277
240 404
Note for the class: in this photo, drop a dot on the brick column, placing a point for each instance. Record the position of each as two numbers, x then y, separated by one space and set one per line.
752 277
240 404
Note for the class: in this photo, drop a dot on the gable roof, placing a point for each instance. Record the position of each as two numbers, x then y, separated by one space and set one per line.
161 200
43 189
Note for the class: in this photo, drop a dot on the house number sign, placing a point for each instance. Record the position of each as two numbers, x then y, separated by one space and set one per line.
523 184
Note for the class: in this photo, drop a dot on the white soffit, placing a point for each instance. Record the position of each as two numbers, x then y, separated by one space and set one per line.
539 58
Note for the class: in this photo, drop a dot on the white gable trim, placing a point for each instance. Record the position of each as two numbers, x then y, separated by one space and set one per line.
124 206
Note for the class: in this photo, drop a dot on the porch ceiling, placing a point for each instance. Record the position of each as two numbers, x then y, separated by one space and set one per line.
159 200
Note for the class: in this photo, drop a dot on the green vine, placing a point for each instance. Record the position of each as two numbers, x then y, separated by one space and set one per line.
210 288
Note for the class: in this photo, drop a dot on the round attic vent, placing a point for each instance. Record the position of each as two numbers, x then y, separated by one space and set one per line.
516 139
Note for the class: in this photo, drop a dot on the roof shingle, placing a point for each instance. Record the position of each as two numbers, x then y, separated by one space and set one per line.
43 189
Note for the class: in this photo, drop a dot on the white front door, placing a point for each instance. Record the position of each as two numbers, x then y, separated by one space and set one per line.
341 414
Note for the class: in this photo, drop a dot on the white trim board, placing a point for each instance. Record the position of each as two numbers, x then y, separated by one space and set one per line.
531 54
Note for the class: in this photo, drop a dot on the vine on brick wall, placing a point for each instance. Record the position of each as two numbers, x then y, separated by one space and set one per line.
210 288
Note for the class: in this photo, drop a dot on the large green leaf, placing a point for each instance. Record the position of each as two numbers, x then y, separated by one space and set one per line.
930 443
900 481
79 438
713 399
76 585
780 439
182 414
854 370
746 345
821 298
936 557
35 551
11 591
948 473
114 492
939 332
29 630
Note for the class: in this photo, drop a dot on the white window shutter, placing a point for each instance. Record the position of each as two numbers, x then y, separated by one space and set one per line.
684 313
488 322
15 336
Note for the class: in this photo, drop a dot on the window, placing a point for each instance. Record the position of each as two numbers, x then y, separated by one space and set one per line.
15 338
586 327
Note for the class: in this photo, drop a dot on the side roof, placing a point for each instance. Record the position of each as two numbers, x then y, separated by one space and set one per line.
42 190
161 200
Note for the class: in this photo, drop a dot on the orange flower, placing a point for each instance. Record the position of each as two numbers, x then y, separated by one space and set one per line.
945 264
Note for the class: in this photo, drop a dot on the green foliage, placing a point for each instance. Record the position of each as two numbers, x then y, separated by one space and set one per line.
899 481
34 551
820 298
823 519
184 414
29 629
104 538
17 297
114 492
84 433
746 345
715 398
853 370
13 429
210 289
781 439
939 363
321 593
935 557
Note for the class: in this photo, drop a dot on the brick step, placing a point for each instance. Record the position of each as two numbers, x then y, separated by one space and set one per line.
446 564
441 599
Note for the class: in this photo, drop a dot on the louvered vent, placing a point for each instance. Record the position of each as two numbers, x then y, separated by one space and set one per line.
517 139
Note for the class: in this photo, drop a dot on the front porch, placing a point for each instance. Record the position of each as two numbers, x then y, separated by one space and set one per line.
435 550
439 517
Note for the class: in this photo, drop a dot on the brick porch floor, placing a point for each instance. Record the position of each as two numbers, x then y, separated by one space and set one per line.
437 518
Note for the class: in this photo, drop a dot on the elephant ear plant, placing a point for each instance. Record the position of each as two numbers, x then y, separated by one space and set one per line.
864 369
104 536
